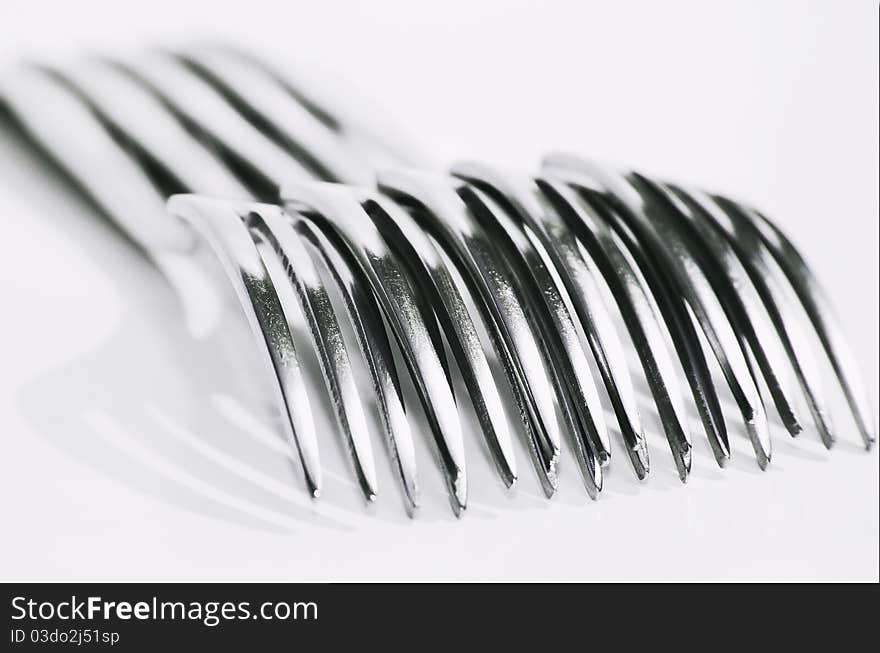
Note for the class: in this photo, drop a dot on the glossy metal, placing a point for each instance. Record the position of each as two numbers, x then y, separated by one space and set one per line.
734 290
673 253
222 224
557 336
817 306
274 229
557 251
339 209
659 292
369 329
757 286
543 205
421 255
439 202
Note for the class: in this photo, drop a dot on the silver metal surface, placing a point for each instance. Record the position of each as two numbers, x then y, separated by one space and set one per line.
671 304
445 213
376 350
275 229
535 275
222 224
416 249
638 312
339 209
818 307
653 229
759 293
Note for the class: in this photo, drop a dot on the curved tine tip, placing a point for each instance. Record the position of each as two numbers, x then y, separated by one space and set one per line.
460 493
596 478
222 224
375 349
521 197
643 325
341 210
817 306
275 229
640 460
758 428
429 268
438 195
760 431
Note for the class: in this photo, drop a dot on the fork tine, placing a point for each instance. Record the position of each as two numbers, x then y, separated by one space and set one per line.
671 305
338 208
515 217
628 292
763 285
734 289
373 341
558 337
416 249
818 307
733 354
534 267
222 225
275 230
444 213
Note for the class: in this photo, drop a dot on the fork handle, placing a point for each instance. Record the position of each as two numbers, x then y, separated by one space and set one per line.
63 125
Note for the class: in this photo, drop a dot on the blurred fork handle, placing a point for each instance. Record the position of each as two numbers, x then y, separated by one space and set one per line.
365 127
59 122
253 91
150 130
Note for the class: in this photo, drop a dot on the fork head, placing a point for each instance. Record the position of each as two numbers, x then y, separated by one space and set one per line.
560 270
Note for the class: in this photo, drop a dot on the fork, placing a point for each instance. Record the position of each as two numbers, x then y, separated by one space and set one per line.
532 251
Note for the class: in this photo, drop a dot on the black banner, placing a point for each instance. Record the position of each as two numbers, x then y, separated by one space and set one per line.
148 616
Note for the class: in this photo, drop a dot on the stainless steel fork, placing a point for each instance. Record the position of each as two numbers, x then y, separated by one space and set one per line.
534 254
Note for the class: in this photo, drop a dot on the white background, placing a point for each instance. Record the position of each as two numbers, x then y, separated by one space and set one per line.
123 458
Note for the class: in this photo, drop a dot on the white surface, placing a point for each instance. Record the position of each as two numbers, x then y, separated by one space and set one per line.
122 459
